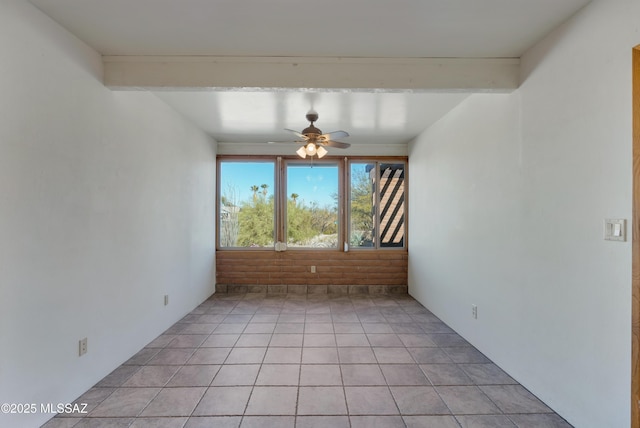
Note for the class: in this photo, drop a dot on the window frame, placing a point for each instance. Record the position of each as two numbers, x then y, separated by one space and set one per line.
343 163
327 160
276 204
377 161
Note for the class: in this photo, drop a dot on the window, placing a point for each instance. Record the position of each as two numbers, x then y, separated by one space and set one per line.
391 196
312 205
265 200
247 204
362 218
377 196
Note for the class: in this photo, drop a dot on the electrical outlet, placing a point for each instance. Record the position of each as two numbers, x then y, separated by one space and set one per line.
82 347
313 269
166 299
474 311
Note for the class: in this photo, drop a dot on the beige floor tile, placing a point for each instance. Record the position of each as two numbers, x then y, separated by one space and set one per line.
273 400
322 422
279 375
151 376
218 401
430 421
321 400
286 340
485 421
320 375
393 355
125 402
283 356
377 422
419 400
209 356
362 374
213 421
195 375
164 422
246 356
466 400
370 400
320 356
403 374
174 402
514 399
268 422
236 375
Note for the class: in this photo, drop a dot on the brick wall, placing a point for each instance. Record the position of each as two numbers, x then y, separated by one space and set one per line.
366 268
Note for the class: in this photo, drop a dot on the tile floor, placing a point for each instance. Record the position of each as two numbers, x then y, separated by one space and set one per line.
310 361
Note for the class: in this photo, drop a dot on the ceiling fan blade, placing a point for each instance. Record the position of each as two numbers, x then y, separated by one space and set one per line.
335 134
337 144
297 133
286 142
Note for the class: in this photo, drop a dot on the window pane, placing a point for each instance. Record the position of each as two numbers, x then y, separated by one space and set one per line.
246 204
391 188
312 205
362 214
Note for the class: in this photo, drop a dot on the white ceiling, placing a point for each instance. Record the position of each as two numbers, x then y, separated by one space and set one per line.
370 118
329 28
364 28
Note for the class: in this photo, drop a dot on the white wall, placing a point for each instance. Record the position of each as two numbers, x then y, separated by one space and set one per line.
507 199
106 205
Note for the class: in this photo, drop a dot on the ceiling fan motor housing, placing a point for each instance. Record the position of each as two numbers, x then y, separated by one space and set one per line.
310 130
314 138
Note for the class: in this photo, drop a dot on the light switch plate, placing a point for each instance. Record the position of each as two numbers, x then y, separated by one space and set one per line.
615 229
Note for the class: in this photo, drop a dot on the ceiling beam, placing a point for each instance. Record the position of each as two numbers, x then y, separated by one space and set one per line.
311 73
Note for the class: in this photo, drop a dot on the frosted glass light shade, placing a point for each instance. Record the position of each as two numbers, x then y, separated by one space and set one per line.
311 149
302 152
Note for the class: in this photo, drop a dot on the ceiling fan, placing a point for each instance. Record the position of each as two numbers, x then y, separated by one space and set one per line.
314 141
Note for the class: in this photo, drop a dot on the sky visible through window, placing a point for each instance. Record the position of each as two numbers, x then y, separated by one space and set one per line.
318 183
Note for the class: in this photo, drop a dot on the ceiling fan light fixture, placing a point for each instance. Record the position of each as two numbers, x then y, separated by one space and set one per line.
314 141
321 151
311 149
